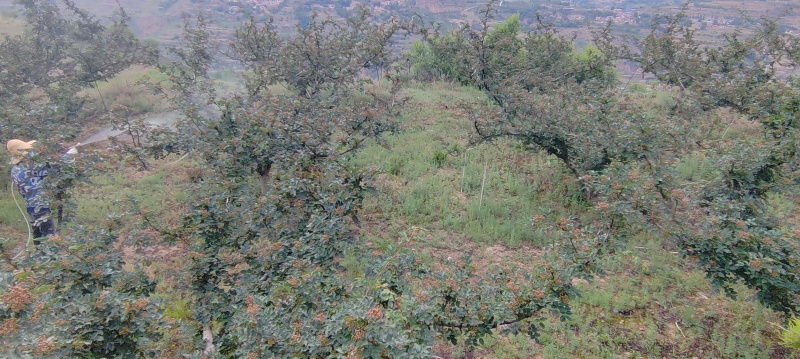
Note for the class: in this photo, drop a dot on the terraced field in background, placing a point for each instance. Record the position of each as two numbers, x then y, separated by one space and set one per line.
162 19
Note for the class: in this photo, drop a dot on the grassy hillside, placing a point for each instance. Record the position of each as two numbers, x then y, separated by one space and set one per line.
444 198
9 24
651 302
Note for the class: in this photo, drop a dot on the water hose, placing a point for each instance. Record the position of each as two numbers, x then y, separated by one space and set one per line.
27 223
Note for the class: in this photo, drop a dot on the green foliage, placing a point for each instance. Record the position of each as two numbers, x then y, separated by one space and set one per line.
546 96
439 158
63 51
624 154
395 165
267 224
268 227
322 55
695 168
593 65
48 71
447 49
10 213
491 56
506 30
129 100
72 298
424 64
447 200
738 238
646 296
791 335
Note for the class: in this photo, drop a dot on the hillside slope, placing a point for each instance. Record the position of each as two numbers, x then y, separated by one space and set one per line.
650 302
444 199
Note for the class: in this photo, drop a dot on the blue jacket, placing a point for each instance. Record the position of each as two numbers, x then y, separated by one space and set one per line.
29 183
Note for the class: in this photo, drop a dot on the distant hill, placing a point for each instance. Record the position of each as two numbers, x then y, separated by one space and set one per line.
162 19
159 19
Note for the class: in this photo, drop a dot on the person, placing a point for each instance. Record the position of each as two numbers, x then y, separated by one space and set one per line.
28 178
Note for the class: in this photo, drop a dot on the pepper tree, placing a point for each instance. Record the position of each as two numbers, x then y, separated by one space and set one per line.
272 218
625 151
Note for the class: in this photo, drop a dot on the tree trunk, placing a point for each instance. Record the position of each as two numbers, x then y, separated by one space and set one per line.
263 175
208 337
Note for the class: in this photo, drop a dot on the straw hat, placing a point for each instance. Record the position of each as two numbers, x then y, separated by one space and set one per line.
18 149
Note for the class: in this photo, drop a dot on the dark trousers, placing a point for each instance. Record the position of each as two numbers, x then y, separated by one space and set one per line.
41 223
